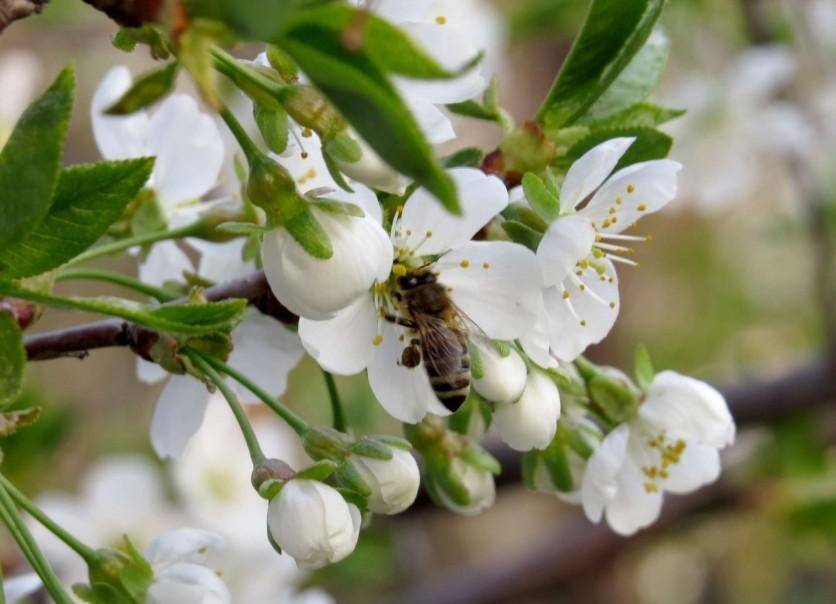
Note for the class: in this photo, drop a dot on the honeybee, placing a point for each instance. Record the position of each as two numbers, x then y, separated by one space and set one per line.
442 333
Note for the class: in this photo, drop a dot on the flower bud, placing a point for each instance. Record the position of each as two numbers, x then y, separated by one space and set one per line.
498 378
317 288
186 583
311 522
393 483
371 170
531 422
465 478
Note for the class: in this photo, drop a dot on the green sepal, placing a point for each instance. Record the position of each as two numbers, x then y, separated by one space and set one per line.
344 148
334 171
137 576
476 456
447 481
522 234
333 206
272 541
368 447
393 441
557 464
529 468
469 157
241 228
353 497
348 476
149 88
541 198
616 400
273 125
531 219
643 371
270 488
477 368
319 470
306 230
282 63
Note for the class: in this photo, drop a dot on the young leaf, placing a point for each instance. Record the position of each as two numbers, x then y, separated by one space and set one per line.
357 85
636 82
640 115
179 319
649 144
542 200
522 234
12 359
644 367
613 32
31 159
149 88
469 157
87 200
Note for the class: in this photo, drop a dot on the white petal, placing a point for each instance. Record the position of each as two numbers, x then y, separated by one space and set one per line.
586 316
304 160
222 262
266 351
363 197
530 422
600 481
482 197
178 415
188 148
503 378
689 408
118 137
497 284
148 372
165 262
17 587
633 507
184 545
114 481
187 584
590 170
404 392
643 188
436 126
568 240
373 171
698 465
535 344
394 483
344 344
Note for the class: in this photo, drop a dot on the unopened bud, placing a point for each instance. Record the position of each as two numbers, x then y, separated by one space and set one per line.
271 469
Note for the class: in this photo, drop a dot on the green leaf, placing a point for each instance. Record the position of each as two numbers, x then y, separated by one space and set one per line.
542 200
529 469
31 159
489 109
12 359
522 234
180 319
636 82
356 83
308 233
649 144
88 199
149 88
469 157
643 367
645 115
273 126
613 32
320 470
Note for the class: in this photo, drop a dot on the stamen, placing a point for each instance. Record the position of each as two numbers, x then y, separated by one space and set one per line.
612 248
582 286
615 258
623 237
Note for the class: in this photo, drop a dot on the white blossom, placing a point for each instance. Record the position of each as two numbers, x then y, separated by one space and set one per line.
672 444
17 587
181 560
503 377
530 422
20 71
580 247
312 523
497 284
319 288
394 482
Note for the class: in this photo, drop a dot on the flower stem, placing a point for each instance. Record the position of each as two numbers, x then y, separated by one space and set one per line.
202 362
247 145
340 422
94 274
249 80
123 244
85 551
12 519
299 425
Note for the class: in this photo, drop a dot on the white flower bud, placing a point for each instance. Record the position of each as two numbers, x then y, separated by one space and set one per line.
186 583
312 523
503 378
531 422
479 485
371 170
394 483
315 288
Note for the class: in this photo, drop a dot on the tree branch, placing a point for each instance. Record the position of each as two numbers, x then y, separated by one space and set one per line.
12 10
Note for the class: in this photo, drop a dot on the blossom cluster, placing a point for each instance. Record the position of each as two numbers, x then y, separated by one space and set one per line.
443 311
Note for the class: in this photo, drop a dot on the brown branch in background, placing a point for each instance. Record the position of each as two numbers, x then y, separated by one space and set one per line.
130 13
12 10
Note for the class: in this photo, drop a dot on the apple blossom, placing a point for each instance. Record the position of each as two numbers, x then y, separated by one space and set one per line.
579 249
531 421
671 444
393 482
497 284
311 522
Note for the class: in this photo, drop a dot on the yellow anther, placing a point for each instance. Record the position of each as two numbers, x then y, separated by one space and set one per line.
304 155
618 199
650 487
486 265
641 207
399 270
597 252
583 322
581 286
631 188
307 133
614 219
429 233
408 232
612 210
565 294
583 263
377 340
464 263
441 19
612 304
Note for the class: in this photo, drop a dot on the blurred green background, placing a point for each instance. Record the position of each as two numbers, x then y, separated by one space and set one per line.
729 290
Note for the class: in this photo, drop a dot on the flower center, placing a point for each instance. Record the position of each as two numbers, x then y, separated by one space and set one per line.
669 453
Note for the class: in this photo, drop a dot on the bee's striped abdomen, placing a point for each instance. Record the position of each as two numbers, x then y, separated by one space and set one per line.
449 369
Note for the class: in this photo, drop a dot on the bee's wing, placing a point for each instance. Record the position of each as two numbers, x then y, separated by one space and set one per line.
441 342
474 332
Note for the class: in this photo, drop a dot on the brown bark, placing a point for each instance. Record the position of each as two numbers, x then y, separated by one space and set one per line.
12 10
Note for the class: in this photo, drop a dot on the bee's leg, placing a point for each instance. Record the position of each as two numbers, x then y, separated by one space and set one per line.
400 321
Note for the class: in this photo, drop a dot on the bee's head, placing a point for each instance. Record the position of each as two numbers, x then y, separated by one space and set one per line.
416 278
